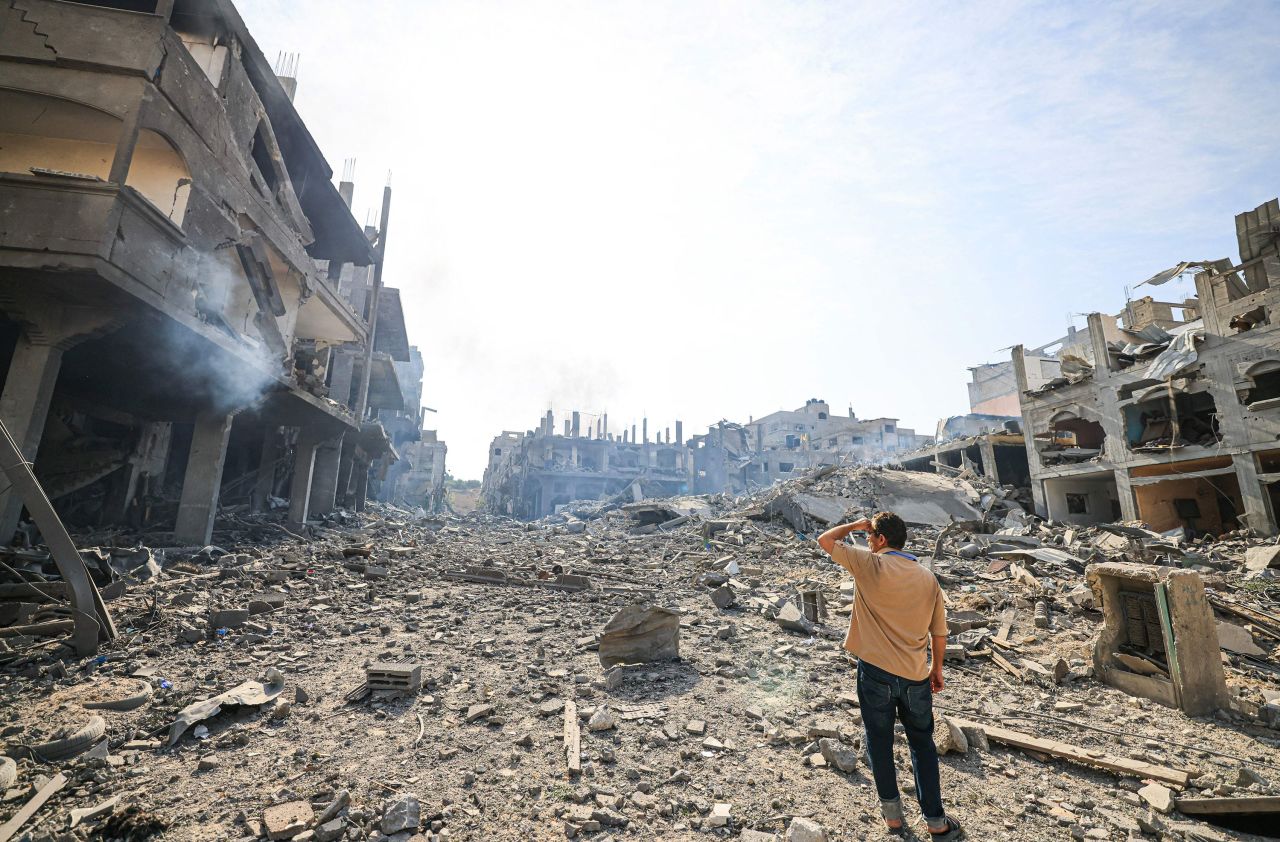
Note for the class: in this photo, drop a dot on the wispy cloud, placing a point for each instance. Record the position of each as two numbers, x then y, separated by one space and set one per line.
710 209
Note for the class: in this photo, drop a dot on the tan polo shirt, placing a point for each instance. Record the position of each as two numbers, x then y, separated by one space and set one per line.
896 606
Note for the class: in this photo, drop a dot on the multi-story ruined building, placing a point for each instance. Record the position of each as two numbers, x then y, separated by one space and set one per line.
414 474
735 457
172 327
1176 422
530 474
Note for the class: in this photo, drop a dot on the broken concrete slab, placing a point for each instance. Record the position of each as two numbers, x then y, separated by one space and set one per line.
1237 639
640 634
287 820
1257 559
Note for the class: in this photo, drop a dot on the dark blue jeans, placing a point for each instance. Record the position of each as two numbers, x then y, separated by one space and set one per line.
882 695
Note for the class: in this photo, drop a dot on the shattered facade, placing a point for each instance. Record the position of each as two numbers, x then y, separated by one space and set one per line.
735 457
530 474
414 474
1171 419
185 293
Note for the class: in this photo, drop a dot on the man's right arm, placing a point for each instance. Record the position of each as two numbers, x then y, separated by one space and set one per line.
830 541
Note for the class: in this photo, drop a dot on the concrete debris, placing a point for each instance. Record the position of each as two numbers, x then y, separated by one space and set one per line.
505 673
640 634
1237 639
805 830
400 814
840 755
1159 797
287 820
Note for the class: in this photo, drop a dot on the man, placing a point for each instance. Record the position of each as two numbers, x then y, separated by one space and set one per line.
898 616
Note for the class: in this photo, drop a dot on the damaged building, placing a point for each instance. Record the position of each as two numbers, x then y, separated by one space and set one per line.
1169 416
529 474
187 300
736 457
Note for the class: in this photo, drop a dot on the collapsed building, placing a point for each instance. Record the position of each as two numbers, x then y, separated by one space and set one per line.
416 478
737 457
989 440
529 474
187 301
1169 417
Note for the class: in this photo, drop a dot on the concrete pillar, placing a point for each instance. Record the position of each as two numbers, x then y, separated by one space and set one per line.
645 426
1038 497
573 455
633 434
360 481
988 452
680 432
604 422
566 428
345 469
24 408
1098 341
1124 491
203 479
342 369
264 483
604 460
304 461
1257 510
324 480
577 424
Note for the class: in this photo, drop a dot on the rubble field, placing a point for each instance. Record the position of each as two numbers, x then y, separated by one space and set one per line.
390 676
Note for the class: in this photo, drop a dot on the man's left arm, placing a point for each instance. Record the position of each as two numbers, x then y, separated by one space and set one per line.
937 641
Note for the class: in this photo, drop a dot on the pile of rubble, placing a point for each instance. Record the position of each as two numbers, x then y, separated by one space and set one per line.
654 670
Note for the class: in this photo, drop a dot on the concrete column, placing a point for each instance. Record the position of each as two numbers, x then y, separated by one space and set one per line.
264 484
577 424
645 427
304 460
680 433
633 434
24 408
1124 490
1039 498
604 460
988 452
324 481
604 424
203 479
342 368
1257 510
573 455
345 470
1098 340
360 481
1208 304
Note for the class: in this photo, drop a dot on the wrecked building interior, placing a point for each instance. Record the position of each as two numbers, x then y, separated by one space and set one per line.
530 474
1166 417
236 603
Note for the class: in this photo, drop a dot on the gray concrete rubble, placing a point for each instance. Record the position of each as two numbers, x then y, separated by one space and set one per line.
495 713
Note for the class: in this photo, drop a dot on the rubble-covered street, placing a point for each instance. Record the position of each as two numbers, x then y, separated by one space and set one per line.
753 731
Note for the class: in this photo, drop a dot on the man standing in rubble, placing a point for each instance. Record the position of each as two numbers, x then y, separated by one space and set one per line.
898 617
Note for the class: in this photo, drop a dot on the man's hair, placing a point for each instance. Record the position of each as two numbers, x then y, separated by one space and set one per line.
890 527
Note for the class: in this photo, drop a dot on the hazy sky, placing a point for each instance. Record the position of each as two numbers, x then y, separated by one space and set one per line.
706 210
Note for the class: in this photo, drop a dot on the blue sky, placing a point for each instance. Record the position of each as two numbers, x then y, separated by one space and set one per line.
706 210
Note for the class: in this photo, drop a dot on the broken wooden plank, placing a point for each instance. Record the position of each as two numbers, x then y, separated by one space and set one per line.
21 817
1005 665
1254 806
1006 624
34 629
572 738
1076 754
